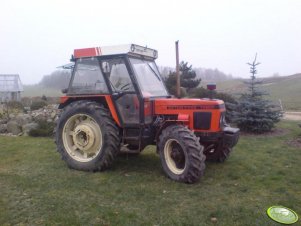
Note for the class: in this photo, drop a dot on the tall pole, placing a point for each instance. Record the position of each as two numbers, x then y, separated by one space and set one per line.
177 69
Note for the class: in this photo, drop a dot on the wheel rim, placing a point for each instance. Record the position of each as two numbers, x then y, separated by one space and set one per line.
82 137
174 156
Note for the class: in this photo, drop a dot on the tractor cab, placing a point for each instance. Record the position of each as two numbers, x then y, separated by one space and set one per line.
127 73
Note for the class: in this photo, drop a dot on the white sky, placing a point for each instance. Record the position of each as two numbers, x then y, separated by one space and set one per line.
37 36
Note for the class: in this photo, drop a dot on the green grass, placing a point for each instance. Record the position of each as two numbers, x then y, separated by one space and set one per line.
37 188
285 88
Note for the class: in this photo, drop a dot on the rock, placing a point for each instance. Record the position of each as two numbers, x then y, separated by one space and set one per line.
3 128
23 119
27 127
18 122
56 120
213 219
3 121
13 127
53 115
40 117
12 116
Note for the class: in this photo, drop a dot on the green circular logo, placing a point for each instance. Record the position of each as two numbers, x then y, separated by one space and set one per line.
282 214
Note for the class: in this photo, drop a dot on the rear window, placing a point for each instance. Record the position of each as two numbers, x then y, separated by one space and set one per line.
88 78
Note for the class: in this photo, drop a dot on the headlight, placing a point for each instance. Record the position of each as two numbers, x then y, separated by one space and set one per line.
222 120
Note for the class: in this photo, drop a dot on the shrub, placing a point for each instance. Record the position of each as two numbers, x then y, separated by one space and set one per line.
44 98
16 105
2 115
37 105
26 101
45 129
10 107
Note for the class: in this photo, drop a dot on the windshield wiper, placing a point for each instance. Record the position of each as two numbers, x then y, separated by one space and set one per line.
158 77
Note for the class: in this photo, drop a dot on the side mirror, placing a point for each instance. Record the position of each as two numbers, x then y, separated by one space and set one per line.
65 90
106 67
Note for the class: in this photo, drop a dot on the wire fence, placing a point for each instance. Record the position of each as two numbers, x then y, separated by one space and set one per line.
290 105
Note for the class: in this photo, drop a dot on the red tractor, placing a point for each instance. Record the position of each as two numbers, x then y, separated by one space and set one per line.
117 100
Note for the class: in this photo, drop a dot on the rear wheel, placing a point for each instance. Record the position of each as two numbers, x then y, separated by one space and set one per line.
87 137
181 154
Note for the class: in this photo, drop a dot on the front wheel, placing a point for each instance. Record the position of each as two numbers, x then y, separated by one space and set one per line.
181 154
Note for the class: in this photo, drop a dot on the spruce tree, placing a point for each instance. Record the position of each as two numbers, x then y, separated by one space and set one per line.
187 78
253 113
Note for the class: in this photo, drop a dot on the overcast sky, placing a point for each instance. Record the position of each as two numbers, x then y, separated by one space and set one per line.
37 36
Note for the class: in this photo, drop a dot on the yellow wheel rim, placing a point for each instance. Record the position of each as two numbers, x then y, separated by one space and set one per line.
82 137
174 156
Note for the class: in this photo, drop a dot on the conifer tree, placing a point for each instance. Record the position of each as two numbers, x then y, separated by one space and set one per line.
253 113
187 77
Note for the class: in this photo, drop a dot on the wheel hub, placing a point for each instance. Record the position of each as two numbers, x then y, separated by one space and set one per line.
84 137
175 157
178 156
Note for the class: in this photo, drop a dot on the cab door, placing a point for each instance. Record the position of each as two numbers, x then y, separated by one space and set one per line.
123 90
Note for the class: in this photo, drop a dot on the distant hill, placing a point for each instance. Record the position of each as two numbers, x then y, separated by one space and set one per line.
287 89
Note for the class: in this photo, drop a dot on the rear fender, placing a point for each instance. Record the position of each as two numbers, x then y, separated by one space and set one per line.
105 100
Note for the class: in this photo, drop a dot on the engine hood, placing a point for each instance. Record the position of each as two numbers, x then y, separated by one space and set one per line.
200 114
188 104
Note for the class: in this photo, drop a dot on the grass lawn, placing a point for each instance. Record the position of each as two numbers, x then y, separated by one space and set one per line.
37 188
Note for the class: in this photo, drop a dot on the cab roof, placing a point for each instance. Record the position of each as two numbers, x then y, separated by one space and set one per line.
130 49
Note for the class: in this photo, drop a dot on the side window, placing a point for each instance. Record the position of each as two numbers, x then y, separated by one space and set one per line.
118 75
88 78
127 104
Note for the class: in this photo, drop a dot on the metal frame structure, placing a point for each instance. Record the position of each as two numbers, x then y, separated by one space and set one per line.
10 87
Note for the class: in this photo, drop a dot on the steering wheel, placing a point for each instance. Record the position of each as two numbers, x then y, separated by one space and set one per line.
125 87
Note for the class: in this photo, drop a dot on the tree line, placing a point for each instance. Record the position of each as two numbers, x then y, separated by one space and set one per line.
58 79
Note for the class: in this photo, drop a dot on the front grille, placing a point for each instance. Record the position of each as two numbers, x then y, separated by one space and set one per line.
202 120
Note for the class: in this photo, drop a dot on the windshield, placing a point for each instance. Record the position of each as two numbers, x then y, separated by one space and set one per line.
149 79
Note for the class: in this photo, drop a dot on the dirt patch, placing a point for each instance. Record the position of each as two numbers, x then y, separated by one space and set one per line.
274 133
295 116
295 142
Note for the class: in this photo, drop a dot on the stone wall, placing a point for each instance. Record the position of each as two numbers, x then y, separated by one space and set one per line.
21 123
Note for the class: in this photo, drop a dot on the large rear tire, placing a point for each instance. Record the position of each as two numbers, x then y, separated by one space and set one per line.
87 137
181 154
